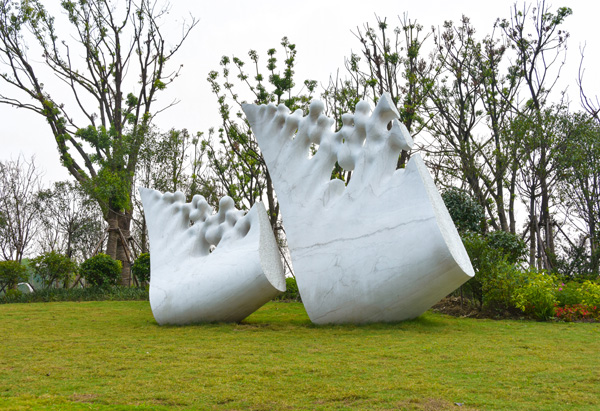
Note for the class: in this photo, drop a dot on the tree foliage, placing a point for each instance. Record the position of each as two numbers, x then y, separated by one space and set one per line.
54 269
466 213
578 164
232 153
71 221
11 273
114 63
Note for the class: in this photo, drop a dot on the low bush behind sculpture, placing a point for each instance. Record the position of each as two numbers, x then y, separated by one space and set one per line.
141 268
11 273
101 270
53 268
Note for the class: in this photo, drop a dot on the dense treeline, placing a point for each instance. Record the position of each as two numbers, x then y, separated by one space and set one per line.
483 109
500 139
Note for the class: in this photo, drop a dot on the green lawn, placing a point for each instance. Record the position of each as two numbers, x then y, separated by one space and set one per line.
112 355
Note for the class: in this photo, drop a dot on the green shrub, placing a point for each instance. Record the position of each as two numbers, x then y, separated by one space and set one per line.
509 244
291 291
500 286
497 276
141 268
11 273
487 263
53 267
112 293
466 213
569 294
590 293
538 296
101 270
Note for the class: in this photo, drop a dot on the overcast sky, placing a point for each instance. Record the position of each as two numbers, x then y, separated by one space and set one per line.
322 32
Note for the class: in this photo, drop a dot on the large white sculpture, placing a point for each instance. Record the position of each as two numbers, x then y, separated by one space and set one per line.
382 248
209 267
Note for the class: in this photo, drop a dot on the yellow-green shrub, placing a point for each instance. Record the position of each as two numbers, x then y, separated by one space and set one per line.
537 296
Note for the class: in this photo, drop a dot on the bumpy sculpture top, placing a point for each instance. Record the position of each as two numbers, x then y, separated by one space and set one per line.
196 221
363 144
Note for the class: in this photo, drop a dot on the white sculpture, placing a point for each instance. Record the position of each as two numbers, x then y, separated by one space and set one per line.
382 248
209 267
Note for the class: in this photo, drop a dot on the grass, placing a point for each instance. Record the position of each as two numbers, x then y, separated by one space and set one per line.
113 355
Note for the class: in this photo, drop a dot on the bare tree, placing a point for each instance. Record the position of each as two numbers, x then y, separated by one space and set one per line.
536 36
20 183
72 222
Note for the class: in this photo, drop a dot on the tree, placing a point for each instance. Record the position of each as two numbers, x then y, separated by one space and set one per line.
236 162
389 62
114 85
470 110
11 273
455 108
535 35
54 268
71 221
578 163
19 207
170 161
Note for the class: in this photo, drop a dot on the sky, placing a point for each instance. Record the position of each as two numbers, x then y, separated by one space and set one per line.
323 34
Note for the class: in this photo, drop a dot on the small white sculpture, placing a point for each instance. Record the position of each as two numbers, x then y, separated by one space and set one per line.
209 267
382 248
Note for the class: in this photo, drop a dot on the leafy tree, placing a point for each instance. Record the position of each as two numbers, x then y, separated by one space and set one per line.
539 42
54 268
71 221
114 64
466 213
470 109
19 207
171 161
11 273
390 61
233 155
578 161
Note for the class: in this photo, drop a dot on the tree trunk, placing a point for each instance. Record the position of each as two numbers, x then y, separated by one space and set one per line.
532 232
273 209
119 224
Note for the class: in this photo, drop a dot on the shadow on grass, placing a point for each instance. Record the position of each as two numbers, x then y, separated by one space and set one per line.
278 316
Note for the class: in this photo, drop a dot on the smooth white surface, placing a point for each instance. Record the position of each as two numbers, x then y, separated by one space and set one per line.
188 282
382 248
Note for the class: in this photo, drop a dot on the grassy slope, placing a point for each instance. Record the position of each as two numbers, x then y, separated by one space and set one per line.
112 355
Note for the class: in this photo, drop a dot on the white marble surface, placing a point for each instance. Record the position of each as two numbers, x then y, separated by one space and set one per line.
222 268
382 248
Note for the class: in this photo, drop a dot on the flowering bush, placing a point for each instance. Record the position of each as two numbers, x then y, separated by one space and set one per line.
537 296
568 293
578 312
